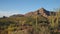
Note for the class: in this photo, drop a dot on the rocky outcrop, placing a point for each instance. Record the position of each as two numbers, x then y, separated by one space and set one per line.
40 11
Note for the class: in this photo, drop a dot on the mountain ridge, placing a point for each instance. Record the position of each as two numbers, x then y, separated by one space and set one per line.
41 11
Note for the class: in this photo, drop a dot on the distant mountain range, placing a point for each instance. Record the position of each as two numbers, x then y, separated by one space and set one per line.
40 11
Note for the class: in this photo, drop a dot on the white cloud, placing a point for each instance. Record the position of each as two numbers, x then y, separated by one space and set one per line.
8 13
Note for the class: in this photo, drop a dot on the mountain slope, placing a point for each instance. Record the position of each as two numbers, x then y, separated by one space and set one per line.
40 11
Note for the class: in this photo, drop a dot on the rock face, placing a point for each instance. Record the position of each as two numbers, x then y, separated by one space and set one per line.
40 11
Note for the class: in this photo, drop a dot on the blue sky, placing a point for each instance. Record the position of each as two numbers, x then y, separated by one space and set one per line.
10 7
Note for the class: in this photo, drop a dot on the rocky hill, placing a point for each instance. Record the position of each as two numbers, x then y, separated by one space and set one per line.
40 11
17 15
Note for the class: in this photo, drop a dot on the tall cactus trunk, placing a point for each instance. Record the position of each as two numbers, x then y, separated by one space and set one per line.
57 17
51 20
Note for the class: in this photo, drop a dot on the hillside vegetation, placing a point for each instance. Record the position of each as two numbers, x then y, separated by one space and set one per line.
38 22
